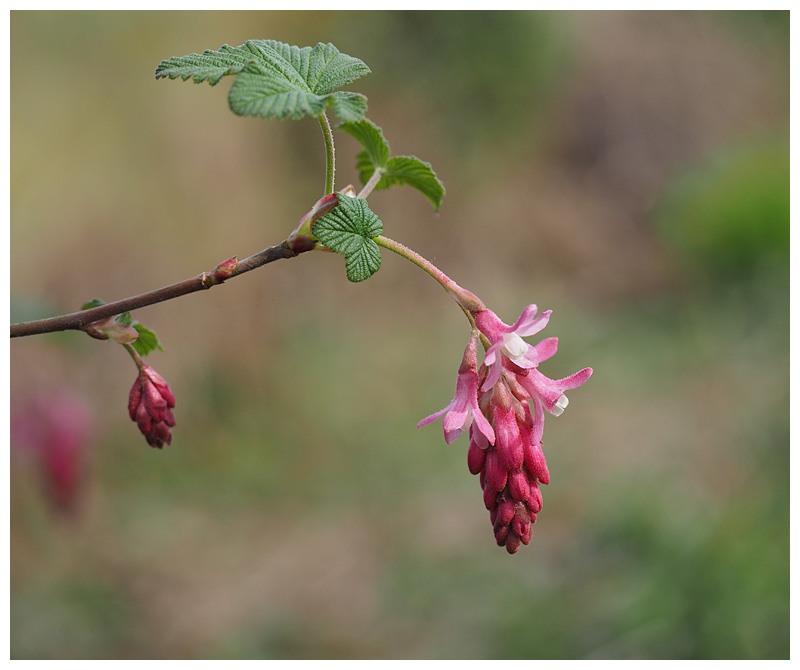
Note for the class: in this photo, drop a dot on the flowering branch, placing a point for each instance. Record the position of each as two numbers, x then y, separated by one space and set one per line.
500 402
81 320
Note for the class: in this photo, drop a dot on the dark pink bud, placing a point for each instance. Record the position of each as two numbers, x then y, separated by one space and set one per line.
489 498
222 272
508 442
476 457
535 462
134 399
150 405
496 474
512 543
518 486
161 385
505 511
535 499
500 532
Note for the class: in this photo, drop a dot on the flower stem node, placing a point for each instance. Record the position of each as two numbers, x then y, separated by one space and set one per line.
302 239
222 272
150 405
112 329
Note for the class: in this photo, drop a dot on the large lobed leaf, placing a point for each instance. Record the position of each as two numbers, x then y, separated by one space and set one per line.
276 80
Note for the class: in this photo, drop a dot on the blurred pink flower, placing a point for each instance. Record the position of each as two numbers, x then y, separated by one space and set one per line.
55 430
150 405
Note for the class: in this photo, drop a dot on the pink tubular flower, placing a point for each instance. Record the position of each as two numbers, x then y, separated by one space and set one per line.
506 341
505 446
463 409
150 406
551 392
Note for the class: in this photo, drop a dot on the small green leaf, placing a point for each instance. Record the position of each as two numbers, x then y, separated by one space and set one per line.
276 80
148 341
124 319
414 172
349 230
397 170
94 302
376 149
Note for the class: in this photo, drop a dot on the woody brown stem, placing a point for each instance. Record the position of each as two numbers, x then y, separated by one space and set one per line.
80 320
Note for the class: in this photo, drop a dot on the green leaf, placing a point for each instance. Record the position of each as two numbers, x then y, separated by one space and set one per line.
414 172
124 319
276 80
349 230
397 170
376 149
148 341
94 302
348 106
256 92
209 66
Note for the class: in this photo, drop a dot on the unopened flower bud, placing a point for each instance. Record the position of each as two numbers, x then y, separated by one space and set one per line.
150 406
222 272
302 239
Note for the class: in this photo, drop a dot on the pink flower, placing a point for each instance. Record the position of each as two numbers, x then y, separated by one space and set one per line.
505 446
463 409
511 469
56 430
150 406
506 341
551 392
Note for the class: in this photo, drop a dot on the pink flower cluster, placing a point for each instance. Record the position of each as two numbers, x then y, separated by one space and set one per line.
491 402
56 429
150 406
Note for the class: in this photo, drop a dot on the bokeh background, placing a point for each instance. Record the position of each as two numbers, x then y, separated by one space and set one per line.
629 171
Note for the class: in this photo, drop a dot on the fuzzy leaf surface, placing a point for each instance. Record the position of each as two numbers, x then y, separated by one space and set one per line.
348 106
376 149
276 80
411 171
396 170
349 230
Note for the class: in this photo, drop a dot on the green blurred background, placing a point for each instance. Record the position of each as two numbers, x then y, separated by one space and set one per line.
629 171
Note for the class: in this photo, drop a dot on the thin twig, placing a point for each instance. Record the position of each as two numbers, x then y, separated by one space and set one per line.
79 320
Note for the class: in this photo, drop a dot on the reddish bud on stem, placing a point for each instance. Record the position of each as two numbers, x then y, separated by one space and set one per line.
150 406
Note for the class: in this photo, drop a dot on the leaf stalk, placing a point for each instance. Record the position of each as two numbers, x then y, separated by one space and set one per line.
371 184
330 152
